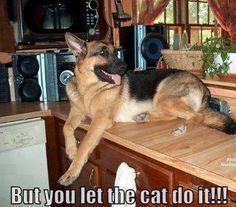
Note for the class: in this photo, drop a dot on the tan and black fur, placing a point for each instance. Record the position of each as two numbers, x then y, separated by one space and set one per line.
98 91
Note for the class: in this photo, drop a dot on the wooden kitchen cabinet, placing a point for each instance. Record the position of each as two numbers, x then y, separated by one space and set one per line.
101 169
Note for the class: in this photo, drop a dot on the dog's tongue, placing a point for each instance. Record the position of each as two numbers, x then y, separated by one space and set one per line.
116 78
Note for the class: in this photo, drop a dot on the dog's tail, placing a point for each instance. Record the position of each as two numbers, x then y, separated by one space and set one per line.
71 89
218 121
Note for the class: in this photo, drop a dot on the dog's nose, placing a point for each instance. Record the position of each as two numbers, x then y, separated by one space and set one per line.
123 66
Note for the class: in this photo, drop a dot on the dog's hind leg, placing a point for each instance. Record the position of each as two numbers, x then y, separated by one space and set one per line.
177 108
99 124
73 121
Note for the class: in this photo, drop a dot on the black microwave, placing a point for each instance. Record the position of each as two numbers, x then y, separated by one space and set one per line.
47 21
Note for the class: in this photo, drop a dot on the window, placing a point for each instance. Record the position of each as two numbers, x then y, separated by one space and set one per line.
199 12
168 17
201 21
193 15
198 34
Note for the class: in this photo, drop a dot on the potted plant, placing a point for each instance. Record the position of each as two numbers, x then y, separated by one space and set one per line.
217 58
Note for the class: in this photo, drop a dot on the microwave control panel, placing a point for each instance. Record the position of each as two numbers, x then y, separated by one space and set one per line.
92 17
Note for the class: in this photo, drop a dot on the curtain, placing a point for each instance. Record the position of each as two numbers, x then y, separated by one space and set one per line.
146 11
225 13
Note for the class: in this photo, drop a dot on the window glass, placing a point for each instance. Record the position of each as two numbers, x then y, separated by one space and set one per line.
167 17
203 13
206 33
171 36
195 36
192 10
170 13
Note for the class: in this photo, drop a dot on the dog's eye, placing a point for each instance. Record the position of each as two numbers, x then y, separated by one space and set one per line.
104 52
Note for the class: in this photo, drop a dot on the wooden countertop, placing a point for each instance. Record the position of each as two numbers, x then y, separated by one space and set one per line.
203 152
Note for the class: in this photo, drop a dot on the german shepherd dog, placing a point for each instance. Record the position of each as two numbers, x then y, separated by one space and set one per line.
105 92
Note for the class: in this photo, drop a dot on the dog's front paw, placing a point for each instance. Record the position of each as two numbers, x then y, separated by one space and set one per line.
71 149
142 118
69 177
179 130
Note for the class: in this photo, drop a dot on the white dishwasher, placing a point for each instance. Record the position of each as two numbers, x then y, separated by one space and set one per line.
23 160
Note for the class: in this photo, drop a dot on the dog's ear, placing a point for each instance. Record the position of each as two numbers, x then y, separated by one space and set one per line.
76 45
108 35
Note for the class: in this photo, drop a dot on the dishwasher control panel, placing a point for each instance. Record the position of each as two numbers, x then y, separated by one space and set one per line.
22 133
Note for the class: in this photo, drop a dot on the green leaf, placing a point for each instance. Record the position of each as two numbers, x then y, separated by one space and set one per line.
224 56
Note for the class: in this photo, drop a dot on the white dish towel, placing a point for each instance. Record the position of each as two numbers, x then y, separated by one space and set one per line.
125 180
